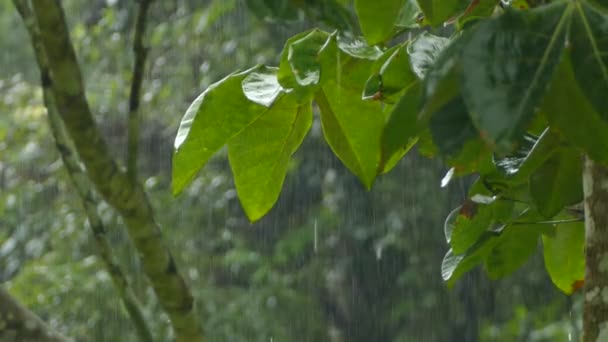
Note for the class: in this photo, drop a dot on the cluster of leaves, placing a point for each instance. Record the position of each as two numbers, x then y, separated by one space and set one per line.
496 99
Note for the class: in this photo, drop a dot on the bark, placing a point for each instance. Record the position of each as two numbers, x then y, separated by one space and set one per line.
595 312
126 196
19 324
82 185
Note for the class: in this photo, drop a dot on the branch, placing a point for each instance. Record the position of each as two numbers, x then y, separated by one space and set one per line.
81 183
139 61
17 323
113 184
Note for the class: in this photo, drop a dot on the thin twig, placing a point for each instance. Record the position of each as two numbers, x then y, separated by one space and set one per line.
140 53
81 183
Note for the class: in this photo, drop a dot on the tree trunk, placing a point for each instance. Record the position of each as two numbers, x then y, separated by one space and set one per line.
595 315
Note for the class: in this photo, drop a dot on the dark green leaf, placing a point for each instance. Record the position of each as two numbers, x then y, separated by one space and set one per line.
558 182
507 64
568 110
513 248
589 47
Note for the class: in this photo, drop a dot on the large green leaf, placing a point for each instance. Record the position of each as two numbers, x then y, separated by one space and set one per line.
514 247
564 255
438 11
259 156
217 115
378 18
558 182
589 51
351 126
569 111
507 65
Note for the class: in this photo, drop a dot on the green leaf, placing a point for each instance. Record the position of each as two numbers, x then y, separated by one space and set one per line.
455 265
217 115
259 156
514 247
564 255
531 154
569 111
351 126
474 219
438 11
558 182
507 64
409 15
589 47
390 74
401 129
378 18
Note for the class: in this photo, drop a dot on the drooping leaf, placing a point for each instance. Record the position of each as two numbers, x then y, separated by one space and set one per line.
390 75
477 9
259 155
514 247
564 255
303 57
401 129
507 64
351 126
474 219
589 44
557 182
217 115
378 18
455 265
569 111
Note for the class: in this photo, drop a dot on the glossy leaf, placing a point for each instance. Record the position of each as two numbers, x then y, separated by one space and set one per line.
378 18
558 182
474 219
351 126
259 156
409 16
217 115
423 51
455 265
507 65
564 255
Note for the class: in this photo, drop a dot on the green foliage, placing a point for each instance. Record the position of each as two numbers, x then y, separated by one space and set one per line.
476 95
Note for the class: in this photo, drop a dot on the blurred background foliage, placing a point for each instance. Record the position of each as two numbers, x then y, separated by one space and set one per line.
331 262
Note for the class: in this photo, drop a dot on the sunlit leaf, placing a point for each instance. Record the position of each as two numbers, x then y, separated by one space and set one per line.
259 156
217 115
